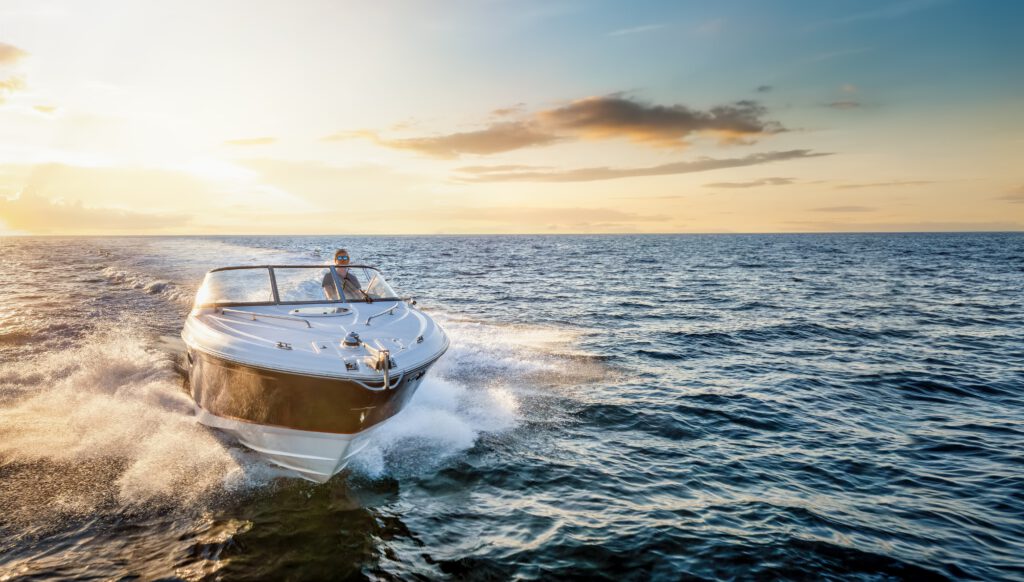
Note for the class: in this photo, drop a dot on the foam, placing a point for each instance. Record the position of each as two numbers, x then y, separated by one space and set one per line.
180 295
116 404
478 388
111 421
110 417
442 420
539 356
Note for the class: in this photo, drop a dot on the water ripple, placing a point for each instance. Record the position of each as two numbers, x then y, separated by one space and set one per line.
685 407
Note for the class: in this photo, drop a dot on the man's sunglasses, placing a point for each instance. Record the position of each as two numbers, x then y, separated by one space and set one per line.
341 258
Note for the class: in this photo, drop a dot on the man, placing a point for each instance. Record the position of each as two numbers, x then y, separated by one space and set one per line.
349 283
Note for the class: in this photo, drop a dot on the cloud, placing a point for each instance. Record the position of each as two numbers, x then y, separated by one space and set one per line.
764 88
250 141
561 215
661 125
545 219
9 86
855 186
114 186
636 29
753 184
340 193
535 174
33 213
44 108
496 138
922 226
843 209
10 54
510 110
847 104
332 188
608 117
1016 196
664 197
403 125
499 168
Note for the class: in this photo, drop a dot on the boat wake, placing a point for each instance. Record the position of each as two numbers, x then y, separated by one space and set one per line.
486 385
106 428
180 295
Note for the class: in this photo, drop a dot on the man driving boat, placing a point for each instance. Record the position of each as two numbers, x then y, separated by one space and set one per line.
349 283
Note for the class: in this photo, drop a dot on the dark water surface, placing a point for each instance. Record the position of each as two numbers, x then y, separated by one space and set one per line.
649 407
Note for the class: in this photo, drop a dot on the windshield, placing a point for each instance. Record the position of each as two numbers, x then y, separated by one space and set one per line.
293 284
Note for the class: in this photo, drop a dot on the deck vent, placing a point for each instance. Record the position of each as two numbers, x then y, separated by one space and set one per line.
419 340
351 366
284 345
352 340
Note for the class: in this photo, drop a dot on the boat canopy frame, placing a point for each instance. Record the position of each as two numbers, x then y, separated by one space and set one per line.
277 296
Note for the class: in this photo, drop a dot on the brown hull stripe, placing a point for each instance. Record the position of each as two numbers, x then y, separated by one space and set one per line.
287 400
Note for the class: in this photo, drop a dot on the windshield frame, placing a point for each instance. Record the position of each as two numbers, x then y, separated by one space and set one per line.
277 296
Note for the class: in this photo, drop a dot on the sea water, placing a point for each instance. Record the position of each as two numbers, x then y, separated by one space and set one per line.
612 407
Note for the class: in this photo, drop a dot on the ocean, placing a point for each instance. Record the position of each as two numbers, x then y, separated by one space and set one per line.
835 406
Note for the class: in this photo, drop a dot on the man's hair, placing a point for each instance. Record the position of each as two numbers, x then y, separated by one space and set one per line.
340 252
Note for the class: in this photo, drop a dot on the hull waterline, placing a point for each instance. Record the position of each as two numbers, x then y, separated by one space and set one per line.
314 456
309 425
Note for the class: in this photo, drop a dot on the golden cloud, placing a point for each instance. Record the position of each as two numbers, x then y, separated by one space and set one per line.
10 54
559 215
844 209
1016 196
33 213
660 125
607 117
910 226
537 174
10 85
858 185
110 186
753 183
333 187
496 138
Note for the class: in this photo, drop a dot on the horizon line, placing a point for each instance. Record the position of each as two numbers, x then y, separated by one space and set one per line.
713 233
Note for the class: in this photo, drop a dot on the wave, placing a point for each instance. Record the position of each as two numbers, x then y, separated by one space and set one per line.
110 416
482 387
176 293
109 419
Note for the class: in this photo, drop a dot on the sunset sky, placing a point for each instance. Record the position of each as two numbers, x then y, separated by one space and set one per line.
307 117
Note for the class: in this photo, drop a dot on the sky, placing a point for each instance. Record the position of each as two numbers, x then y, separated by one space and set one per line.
126 117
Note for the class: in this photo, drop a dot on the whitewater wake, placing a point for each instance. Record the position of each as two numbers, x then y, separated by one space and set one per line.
106 427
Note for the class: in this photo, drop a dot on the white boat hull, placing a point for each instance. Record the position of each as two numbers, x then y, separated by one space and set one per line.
316 456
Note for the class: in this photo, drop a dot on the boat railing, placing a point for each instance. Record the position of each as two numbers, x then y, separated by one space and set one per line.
253 315
388 311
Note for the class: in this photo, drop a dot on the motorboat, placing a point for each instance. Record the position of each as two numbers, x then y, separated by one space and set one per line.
302 363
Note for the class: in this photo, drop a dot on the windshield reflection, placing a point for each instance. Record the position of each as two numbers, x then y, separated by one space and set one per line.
288 285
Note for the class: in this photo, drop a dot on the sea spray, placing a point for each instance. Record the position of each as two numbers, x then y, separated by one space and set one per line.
443 419
116 404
